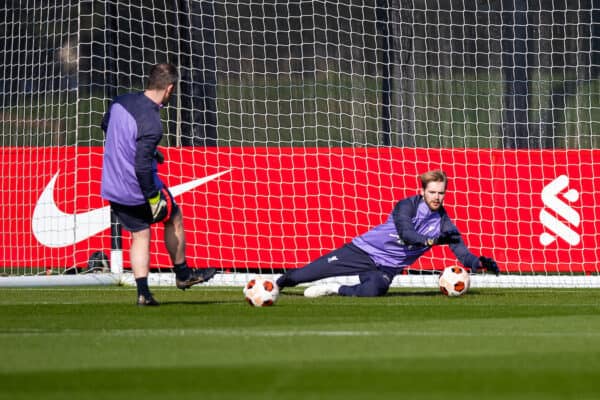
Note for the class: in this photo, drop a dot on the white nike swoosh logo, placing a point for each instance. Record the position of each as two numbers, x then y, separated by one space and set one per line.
54 228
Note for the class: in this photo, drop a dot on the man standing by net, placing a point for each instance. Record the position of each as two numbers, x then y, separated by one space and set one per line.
415 225
131 184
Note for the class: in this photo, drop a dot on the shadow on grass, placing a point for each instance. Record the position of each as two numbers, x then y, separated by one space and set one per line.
423 293
198 303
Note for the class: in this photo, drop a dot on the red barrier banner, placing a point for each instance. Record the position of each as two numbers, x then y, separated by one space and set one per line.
271 208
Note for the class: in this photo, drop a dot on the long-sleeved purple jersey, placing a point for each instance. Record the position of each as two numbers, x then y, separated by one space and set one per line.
133 130
400 241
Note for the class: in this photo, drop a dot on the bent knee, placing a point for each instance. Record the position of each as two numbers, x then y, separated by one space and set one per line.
372 291
375 285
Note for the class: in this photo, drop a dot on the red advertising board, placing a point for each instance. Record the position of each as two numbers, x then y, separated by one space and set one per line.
532 210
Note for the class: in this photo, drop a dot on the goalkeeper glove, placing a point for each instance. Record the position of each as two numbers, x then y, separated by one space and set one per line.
161 206
445 238
489 264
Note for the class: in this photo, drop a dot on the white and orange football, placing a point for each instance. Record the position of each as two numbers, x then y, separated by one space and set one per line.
454 281
261 292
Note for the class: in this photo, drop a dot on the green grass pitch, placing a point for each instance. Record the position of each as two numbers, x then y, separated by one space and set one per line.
207 343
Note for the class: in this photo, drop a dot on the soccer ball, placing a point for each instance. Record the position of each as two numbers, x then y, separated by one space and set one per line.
454 281
261 292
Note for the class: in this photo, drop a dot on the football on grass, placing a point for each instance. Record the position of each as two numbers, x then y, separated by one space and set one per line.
261 292
454 281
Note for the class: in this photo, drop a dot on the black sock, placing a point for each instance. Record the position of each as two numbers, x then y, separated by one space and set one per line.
142 287
182 272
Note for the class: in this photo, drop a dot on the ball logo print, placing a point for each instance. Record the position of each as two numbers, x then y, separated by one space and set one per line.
550 197
55 228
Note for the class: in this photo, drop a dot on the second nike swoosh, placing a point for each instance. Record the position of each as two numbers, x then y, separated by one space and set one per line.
54 228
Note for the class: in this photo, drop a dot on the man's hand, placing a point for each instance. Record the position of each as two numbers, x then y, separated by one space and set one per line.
489 264
161 206
448 237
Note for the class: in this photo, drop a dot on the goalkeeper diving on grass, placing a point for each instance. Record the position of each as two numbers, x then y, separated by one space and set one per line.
131 184
415 225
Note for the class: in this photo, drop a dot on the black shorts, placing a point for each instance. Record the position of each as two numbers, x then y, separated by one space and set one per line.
139 217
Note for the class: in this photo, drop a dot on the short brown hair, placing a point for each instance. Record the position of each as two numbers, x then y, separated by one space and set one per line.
434 176
161 76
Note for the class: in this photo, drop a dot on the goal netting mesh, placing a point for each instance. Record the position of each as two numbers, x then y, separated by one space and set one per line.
297 125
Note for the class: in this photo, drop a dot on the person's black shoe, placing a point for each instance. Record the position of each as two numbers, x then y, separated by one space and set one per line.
197 275
147 301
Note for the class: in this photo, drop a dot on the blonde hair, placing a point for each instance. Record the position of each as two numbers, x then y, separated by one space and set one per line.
433 176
